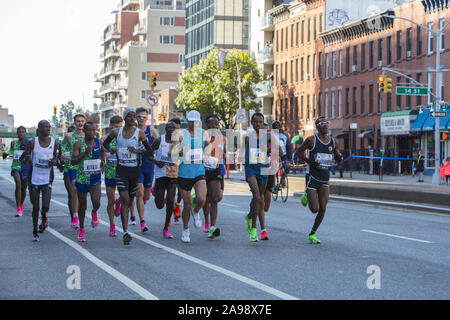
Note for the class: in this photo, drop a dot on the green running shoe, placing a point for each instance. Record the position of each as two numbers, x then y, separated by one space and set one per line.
254 235
313 239
249 223
304 199
213 232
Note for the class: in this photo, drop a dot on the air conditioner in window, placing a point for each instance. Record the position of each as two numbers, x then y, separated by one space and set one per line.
354 68
408 54
380 63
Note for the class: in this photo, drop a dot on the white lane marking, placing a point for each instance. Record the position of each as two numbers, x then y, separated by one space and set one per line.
396 236
205 264
229 205
99 263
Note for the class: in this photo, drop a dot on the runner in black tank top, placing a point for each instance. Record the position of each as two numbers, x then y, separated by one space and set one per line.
323 153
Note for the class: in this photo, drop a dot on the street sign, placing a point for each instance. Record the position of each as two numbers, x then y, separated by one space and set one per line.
445 107
411 91
152 100
438 114
241 116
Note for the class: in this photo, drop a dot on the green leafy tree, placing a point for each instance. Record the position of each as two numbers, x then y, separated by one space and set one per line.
211 90
67 112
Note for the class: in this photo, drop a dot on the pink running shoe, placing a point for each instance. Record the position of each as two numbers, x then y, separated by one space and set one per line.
75 223
95 222
18 212
167 235
112 231
206 228
144 227
117 207
81 236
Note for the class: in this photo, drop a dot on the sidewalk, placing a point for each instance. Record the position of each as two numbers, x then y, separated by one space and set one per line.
393 188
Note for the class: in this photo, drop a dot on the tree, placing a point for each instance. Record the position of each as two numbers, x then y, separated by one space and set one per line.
211 90
67 112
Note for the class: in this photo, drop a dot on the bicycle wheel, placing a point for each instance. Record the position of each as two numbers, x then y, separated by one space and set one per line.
284 188
275 188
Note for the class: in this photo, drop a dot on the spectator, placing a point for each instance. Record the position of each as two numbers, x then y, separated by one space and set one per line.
420 166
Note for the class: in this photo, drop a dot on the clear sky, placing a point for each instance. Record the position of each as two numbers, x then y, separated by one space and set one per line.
49 52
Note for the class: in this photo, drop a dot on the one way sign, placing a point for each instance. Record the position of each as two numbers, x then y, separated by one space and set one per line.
438 114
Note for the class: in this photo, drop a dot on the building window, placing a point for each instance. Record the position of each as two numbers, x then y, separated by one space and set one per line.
363 99
314 66
380 103
308 61
408 42
340 103
419 41
276 41
399 97
340 62
287 38
292 72
301 108
143 57
309 29
302 36
166 21
388 102
314 106
286 109
354 100
292 108
320 22
333 104
296 70
297 26
363 56
441 25
430 38
327 65
389 50
285 73
371 98
143 94
315 28
347 60
308 108
166 39
326 105
282 39
333 54
320 65
347 101
144 76
399 45
296 108
281 109
355 56
181 58
301 69
292 35
380 50
319 105
371 48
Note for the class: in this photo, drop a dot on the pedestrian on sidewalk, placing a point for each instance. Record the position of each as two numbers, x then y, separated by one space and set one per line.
420 166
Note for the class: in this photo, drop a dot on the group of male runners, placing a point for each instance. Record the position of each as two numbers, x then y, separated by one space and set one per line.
182 160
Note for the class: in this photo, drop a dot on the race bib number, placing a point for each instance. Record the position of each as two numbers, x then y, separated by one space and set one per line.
92 166
325 160
112 160
193 156
165 157
18 154
126 157
42 161
212 163
257 156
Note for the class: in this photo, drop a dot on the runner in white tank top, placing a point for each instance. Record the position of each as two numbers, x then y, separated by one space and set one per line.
42 150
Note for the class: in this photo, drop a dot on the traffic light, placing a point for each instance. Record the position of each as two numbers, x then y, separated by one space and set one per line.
444 136
164 115
153 81
160 117
388 85
55 108
381 84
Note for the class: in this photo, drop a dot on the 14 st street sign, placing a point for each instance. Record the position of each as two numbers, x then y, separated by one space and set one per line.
411 91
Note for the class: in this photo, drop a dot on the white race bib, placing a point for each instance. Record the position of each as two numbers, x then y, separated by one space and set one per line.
92 166
193 156
212 163
42 160
18 154
257 156
165 157
325 160
126 156
112 160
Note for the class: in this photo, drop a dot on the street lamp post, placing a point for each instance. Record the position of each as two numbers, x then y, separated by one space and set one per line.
437 145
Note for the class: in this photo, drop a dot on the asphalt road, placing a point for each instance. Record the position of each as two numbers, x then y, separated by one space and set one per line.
367 252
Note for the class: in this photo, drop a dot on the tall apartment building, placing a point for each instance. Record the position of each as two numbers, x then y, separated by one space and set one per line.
261 48
146 36
215 24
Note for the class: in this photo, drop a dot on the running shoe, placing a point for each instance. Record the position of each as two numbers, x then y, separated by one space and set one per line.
167 235
95 222
213 232
197 219
117 207
264 235
112 231
132 221
43 225
177 210
81 236
304 199
249 223
206 228
75 223
144 227
126 239
254 235
313 239
18 212
176 220
185 236
35 237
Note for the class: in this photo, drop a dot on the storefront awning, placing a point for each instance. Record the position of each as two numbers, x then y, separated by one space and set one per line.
398 122
430 123
420 120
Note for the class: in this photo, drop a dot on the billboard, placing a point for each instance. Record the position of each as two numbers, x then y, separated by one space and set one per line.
342 12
